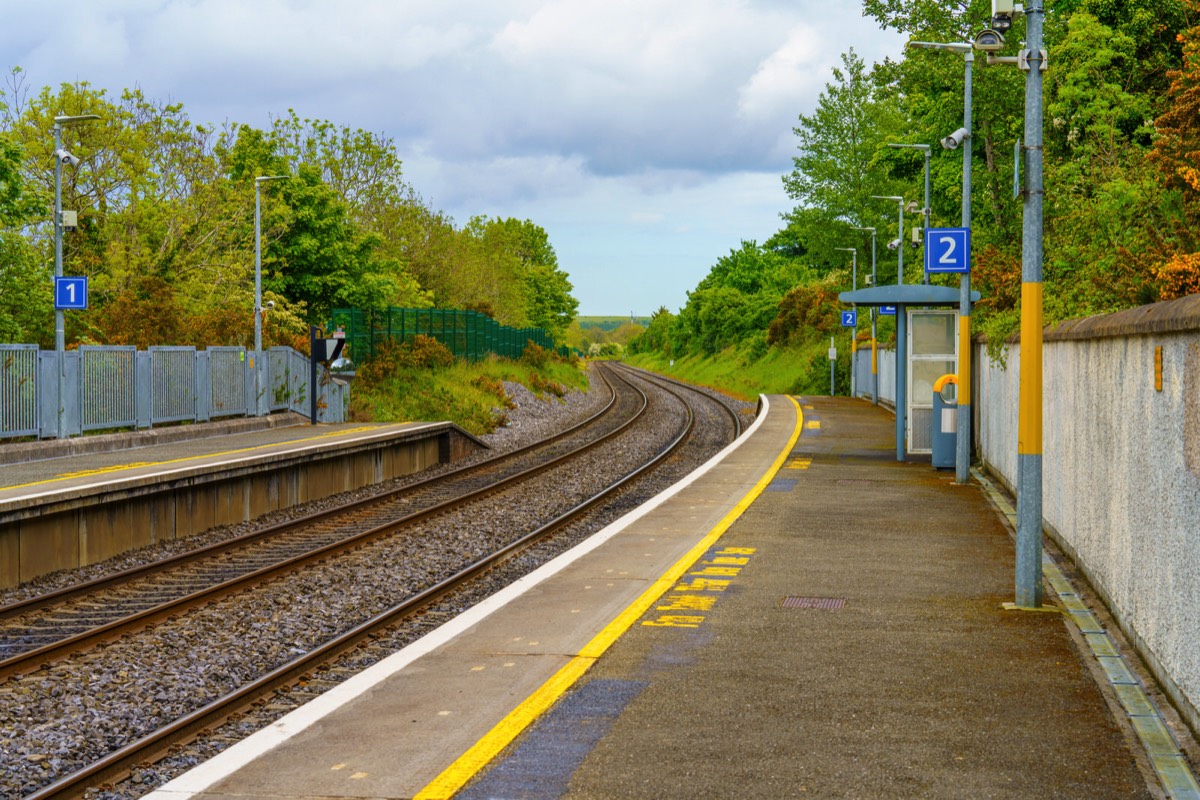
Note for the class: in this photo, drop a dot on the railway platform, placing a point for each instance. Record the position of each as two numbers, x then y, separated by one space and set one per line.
80 501
802 617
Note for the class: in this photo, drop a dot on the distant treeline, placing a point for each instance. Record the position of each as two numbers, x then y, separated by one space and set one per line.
1122 203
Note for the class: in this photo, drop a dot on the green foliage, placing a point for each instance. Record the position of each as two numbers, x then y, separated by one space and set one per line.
470 394
1122 203
167 227
839 166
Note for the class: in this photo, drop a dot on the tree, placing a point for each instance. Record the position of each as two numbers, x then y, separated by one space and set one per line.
837 170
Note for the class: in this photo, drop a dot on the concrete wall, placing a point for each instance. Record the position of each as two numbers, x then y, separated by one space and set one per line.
1121 470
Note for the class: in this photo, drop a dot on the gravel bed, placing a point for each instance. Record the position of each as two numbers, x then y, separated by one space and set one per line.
53 721
532 419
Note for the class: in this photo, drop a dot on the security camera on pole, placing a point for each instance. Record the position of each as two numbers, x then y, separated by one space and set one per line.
260 398
874 355
61 157
1032 61
957 139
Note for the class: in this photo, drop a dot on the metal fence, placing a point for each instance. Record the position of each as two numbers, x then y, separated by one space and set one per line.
18 389
113 388
466 334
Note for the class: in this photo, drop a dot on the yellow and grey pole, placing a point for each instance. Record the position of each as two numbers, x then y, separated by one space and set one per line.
962 454
1029 426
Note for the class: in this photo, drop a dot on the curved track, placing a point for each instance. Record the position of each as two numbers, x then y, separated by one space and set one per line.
118 762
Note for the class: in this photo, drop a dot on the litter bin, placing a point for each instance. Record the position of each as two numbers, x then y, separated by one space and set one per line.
945 421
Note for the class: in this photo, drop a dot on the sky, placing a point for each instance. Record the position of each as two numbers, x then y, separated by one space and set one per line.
647 137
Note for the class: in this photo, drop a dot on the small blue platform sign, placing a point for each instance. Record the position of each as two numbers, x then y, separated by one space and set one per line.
849 319
948 250
70 292
887 311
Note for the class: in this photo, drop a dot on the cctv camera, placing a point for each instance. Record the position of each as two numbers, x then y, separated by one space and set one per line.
893 244
1003 12
270 304
955 139
989 40
67 158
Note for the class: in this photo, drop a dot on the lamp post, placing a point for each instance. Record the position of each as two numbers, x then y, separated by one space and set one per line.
1029 427
854 330
60 330
962 137
901 341
899 235
61 122
258 182
874 357
924 148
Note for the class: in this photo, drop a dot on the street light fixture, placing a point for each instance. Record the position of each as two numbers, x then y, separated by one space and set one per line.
874 358
258 182
962 138
899 234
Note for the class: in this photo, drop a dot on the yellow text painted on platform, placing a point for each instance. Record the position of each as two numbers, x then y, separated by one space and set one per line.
686 604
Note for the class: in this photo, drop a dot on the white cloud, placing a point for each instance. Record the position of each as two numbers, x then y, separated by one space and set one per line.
785 77
647 133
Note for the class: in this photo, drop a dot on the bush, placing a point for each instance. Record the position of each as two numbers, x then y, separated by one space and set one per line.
423 352
495 388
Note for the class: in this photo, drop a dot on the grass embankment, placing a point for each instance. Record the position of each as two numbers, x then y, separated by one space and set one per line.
402 387
736 371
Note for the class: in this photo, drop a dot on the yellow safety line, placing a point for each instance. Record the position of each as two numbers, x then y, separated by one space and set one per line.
455 776
119 467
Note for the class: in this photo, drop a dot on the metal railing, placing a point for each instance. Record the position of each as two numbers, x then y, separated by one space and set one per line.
106 388
18 389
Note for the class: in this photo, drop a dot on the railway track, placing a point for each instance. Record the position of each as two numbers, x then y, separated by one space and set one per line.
324 655
42 629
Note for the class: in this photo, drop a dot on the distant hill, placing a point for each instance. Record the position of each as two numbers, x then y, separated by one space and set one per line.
609 323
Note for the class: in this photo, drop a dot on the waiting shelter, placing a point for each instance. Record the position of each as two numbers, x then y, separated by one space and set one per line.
931 353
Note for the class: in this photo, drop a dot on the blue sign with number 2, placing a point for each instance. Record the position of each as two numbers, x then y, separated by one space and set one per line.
948 250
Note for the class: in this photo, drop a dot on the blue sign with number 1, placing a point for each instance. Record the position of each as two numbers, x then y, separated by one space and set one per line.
948 250
70 292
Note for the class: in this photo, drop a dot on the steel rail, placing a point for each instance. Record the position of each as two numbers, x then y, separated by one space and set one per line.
152 747
57 596
655 377
26 662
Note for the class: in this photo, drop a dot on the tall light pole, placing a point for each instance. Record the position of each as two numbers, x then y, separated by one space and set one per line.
258 182
258 258
874 357
899 234
60 155
962 138
924 148
854 330
60 329
1029 427
901 341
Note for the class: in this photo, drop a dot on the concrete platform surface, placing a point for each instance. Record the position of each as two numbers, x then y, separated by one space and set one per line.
213 445
842 635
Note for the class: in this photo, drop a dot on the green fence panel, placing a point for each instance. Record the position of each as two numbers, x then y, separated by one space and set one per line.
466 334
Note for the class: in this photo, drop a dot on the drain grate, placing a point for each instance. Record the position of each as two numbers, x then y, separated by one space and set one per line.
826 603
